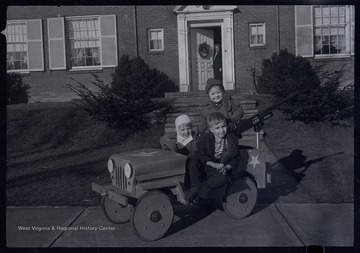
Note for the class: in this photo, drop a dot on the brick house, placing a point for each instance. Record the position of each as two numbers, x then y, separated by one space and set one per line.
50 45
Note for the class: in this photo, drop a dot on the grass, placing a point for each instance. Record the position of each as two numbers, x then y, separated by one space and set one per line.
55 151
319 155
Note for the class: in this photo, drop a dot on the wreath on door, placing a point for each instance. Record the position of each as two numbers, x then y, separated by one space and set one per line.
204 50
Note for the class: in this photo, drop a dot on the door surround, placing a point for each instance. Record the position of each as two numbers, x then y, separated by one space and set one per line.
196 16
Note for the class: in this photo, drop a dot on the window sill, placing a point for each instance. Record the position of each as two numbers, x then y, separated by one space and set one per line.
85 70
21 73
254 47
332 57
156 52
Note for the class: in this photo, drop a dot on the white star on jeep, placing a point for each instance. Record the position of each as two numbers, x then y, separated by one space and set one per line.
254 161
142 153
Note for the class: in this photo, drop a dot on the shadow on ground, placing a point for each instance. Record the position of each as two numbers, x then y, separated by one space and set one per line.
189 215
286 175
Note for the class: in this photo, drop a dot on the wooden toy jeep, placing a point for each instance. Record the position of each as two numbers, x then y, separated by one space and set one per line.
147 183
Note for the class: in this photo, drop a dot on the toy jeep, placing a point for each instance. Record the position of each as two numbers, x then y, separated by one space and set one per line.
147 183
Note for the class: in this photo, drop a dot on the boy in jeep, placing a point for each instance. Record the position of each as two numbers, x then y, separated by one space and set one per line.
217 152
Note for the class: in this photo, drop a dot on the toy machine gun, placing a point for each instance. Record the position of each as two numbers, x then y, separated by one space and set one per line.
257 119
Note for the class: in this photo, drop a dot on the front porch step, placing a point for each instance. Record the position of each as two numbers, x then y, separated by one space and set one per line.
200 93
192 105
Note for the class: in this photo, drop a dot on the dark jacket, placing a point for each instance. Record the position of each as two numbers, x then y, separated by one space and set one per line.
231 109
206 149
189 149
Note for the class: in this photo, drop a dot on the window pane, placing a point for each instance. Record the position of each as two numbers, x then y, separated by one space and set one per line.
341 10
326 20
156 40
253 39
317 11
317 45
326 11
16 37
260 30
84 42
342 44
333 30
318 21
334 10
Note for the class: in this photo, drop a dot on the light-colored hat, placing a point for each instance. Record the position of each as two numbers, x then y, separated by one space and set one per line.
182 119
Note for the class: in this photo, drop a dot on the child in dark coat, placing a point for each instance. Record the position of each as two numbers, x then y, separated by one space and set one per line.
219 101
217 153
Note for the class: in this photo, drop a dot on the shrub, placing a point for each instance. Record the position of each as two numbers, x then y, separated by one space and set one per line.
322 99
127 100
16 89
286 73
134 79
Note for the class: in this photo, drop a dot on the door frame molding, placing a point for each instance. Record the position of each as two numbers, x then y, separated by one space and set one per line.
185 21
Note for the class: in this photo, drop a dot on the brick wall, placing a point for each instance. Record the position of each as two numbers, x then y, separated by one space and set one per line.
162 17
247 58
50 85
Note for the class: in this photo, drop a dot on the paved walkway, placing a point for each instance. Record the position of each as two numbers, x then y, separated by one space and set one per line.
286 215
272 225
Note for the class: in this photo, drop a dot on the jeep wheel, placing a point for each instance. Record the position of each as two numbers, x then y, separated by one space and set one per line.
114 211
152 216
241 198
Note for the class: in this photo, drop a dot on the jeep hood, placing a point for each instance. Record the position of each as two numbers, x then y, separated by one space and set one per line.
154 163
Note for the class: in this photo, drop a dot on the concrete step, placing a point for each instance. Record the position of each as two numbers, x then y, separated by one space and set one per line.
198 94
195 115
249 135
191 104
200 102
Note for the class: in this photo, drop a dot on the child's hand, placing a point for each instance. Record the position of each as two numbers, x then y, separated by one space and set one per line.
224 169
217 166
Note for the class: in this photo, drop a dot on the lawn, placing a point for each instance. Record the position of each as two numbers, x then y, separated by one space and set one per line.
55 151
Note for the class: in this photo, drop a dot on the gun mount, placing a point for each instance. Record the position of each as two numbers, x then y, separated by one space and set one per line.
257 119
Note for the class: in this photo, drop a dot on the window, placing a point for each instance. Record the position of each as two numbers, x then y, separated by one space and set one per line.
24 46
324 30
156 40
257 34
329 29
84 41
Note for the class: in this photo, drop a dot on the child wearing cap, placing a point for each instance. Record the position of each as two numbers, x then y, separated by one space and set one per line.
219 101
185 137
186 142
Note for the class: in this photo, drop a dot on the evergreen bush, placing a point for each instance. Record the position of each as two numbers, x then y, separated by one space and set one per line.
127 100
16 90
323 98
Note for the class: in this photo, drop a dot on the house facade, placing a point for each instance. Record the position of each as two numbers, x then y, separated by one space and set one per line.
51 46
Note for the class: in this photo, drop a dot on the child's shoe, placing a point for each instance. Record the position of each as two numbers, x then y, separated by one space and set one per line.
190 194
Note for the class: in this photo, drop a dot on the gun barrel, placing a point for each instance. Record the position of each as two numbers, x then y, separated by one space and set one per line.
244 125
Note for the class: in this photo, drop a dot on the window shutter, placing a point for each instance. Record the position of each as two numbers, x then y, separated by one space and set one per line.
108 41
56 38
304 31
35 45
352 28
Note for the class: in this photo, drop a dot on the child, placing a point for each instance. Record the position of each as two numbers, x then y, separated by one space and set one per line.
185 137
216 153
219 101
185 144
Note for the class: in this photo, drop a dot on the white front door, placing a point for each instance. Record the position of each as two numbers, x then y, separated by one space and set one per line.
201 63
